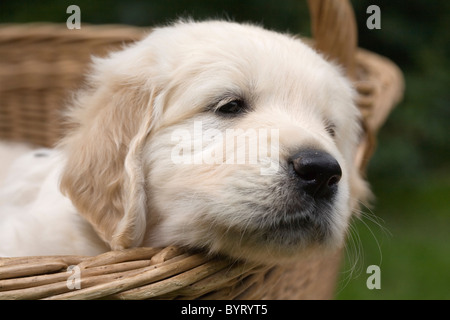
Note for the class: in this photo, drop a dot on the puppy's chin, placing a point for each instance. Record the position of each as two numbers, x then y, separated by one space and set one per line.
273 247
278 242
287 237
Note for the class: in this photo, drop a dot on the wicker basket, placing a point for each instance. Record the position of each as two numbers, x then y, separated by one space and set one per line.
40 64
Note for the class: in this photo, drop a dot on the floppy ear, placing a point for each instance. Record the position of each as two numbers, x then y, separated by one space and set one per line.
103 174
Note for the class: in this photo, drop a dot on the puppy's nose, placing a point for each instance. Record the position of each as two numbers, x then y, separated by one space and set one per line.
318 173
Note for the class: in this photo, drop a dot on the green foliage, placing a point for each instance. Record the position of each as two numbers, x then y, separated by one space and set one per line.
409 241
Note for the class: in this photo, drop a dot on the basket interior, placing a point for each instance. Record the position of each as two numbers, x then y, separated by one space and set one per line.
41 66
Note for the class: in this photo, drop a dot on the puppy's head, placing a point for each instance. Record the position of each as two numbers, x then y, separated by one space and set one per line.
216 135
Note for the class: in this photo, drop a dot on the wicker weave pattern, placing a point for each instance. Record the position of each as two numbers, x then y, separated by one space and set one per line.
40 64
169 273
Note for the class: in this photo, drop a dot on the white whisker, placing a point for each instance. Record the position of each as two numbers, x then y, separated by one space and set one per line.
354 251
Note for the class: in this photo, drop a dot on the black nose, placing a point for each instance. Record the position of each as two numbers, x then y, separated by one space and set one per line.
317 172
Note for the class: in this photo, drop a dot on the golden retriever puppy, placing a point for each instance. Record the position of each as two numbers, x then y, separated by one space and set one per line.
212 135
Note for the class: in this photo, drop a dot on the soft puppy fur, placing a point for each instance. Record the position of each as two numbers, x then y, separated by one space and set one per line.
153 156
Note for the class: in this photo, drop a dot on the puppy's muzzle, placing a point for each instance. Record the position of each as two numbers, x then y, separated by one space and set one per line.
317 173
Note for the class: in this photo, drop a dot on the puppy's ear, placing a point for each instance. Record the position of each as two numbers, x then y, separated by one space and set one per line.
103 175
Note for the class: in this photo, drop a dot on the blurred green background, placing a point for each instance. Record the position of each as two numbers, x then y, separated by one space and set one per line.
407 231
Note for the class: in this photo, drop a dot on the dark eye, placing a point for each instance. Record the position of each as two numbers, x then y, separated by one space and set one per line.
331 129
231 108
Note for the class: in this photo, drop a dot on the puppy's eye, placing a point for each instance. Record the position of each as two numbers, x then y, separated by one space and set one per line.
231 108
331 129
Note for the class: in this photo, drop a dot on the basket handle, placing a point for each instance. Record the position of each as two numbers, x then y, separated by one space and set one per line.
334 29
